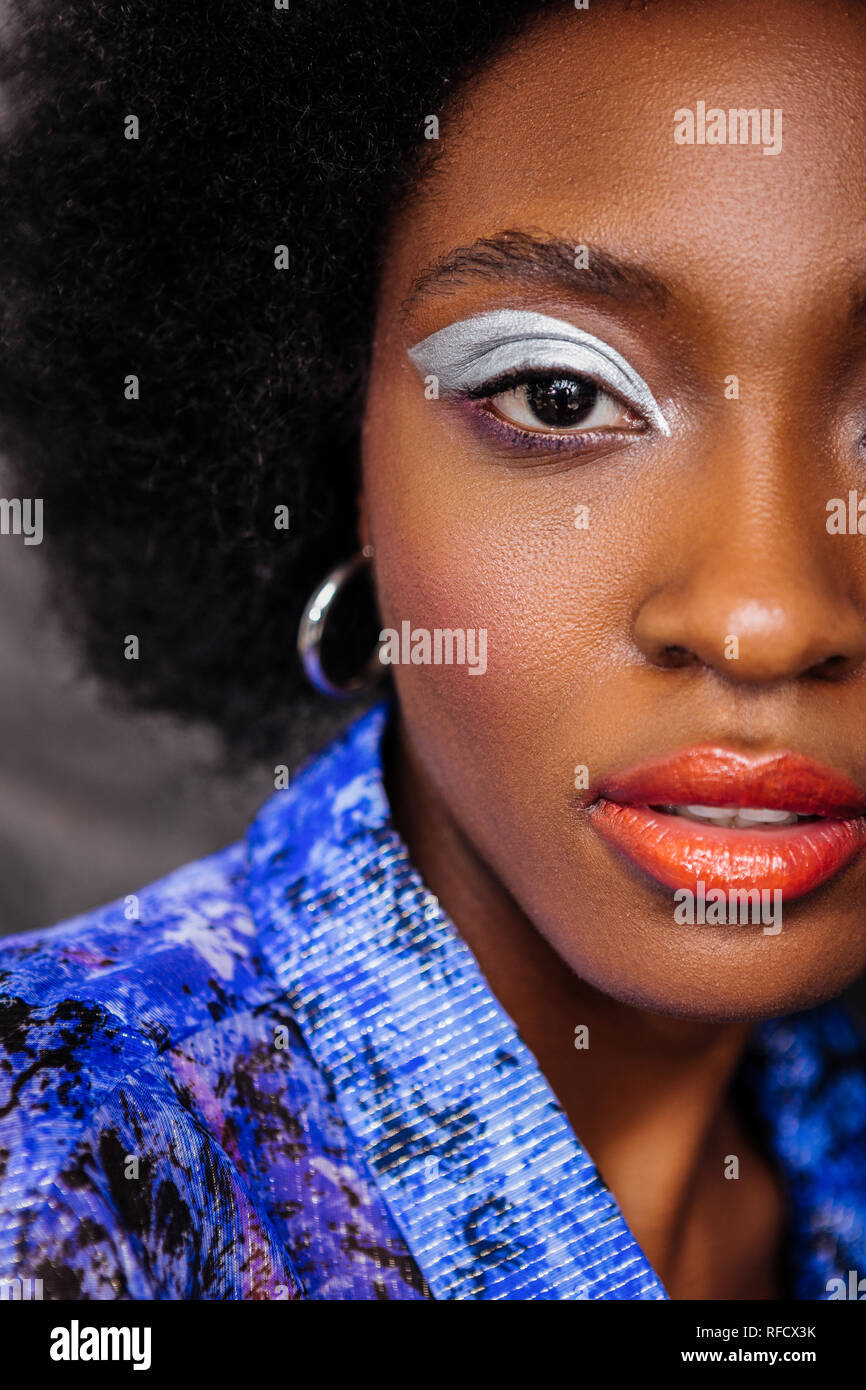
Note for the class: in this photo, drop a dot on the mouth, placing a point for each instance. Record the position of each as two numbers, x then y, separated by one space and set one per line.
781 821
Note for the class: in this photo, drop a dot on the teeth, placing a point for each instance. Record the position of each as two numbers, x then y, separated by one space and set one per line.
739 817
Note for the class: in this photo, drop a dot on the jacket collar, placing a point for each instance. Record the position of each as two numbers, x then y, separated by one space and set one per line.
492 1191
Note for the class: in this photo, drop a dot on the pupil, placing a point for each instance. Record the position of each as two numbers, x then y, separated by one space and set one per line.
562 402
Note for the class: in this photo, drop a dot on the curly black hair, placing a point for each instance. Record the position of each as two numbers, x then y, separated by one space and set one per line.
155 257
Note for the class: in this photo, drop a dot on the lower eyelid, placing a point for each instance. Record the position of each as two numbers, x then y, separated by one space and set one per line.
487 425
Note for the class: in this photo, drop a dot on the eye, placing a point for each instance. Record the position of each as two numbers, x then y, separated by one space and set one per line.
549 383
561 404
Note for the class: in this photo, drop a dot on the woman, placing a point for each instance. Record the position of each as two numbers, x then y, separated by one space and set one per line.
521 988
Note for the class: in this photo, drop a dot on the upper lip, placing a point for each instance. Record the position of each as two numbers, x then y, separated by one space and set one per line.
712 776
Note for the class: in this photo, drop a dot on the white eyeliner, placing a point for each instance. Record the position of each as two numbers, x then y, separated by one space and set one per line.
471 352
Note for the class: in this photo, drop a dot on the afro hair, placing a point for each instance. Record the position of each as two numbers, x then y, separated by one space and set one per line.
147 249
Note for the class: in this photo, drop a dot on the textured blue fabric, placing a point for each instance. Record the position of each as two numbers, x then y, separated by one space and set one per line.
279 1073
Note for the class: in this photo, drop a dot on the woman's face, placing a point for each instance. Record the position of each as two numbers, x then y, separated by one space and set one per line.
639 521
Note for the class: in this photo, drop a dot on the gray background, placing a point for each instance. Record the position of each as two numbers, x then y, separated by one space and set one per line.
94 802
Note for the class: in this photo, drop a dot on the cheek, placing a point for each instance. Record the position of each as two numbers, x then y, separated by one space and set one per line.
463 546
465 543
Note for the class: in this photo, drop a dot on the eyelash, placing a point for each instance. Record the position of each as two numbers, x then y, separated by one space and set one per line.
543 441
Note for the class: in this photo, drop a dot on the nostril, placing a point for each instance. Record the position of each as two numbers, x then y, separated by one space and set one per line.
674 656
832 668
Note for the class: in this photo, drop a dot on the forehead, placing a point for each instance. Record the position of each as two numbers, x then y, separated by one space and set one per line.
571 129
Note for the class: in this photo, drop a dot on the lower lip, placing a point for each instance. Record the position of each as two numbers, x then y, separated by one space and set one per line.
677 852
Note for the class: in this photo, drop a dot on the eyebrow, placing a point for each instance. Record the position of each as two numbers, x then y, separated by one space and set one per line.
527 256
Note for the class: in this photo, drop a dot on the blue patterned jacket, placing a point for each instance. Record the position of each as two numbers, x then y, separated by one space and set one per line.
279 1073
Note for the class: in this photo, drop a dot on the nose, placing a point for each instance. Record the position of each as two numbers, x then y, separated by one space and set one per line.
766 595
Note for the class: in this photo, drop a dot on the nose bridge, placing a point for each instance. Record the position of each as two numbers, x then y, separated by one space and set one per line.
766 520
757 589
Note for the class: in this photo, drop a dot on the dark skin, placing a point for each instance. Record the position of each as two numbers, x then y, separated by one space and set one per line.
606 647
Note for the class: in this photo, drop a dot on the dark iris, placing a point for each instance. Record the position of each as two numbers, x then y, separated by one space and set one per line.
562 402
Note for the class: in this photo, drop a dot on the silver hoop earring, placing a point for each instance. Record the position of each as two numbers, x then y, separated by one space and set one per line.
311 630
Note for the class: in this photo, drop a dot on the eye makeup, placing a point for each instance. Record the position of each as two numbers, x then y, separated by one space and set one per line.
487 348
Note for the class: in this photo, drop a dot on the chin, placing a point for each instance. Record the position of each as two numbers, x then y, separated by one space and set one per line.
725 974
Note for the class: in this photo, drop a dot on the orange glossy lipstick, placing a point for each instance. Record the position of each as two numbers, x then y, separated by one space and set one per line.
714 815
